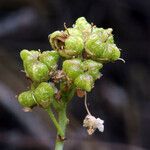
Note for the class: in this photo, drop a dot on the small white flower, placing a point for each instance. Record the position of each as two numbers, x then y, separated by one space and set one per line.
91 123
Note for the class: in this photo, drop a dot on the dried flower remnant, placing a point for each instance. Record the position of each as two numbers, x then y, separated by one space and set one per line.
92 123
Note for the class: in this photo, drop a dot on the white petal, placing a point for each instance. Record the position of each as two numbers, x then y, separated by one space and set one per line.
99 124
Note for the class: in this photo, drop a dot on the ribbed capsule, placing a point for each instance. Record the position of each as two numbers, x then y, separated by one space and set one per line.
73 46
84 82
27 55
94 47
72 68
102 51
82 25
27 99
44 94
92 68
68 46
111 53
37 71
103 34
74 32
50 59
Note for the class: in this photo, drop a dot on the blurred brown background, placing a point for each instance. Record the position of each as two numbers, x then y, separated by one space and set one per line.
121 97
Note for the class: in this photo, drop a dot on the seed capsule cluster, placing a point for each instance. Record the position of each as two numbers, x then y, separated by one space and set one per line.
38 68
84 49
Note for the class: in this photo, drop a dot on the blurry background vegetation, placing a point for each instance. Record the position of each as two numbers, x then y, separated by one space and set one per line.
121 97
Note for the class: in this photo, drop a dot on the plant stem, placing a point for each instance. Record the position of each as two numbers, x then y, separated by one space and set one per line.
63 123
57 125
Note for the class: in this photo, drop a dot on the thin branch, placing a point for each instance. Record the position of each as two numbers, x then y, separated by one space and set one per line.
58 127
85 103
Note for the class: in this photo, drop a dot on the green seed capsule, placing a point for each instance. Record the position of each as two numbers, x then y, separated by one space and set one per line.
73 45
115 52
82 25
37 71
50 59
111 53
44 94
72 68
92 68
104 34
67 45
110 39
84 82
74 32
29 55
94 47
26 99
96 30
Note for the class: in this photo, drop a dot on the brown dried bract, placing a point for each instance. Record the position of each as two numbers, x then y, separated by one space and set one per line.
58 76
60 138
58 95
80 93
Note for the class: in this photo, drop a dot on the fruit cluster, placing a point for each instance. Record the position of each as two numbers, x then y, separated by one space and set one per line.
84 49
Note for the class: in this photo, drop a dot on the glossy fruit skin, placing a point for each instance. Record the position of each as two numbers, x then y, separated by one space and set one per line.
72 68
44 94
92 68
26 99
50 59
37 71
84 82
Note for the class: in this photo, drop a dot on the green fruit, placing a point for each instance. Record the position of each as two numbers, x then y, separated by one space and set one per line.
82 25
67 45
104 34
71 47
90 65
84 82
115 52
44 94
111 53
110 39
50 59
74 45
92 68
37 71
97 30
94 47
26 99
29 55
72 68
74 32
